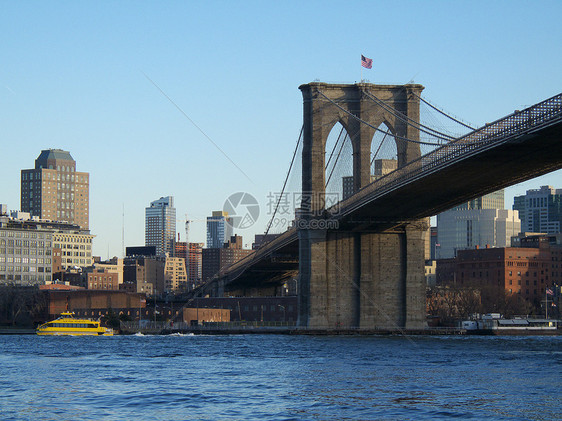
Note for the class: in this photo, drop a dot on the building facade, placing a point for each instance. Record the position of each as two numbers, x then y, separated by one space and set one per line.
524 271
175 276
192 253
103 279
219 229
494 200
540 210
459 229
217 259
75 246
160 226
31 251
54 190
143 274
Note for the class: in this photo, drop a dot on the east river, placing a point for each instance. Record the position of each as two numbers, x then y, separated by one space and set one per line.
280 377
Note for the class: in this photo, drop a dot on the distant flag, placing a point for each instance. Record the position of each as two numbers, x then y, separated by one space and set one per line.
367 63
549 291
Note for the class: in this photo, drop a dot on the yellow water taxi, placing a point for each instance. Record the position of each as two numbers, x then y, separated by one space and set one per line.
66 324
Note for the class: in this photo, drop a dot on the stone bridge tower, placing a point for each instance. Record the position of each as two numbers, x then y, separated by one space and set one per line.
358 278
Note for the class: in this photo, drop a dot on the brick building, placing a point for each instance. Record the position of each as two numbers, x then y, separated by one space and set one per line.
524 271
217 259
103 279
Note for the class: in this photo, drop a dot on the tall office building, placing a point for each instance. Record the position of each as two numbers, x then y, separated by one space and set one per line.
160 226
481 222
54 190
468 228
494 200
540 210
219 229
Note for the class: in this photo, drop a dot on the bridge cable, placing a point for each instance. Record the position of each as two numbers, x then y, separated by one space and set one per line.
286 179
419 142
333 150
380 146
444 113
408 120
338 157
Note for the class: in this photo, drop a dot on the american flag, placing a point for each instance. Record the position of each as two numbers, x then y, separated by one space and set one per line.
549 291
366 62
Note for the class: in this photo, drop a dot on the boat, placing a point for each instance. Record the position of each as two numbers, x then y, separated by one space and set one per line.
66 324
495 324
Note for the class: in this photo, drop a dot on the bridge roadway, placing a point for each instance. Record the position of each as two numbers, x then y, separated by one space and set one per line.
516 148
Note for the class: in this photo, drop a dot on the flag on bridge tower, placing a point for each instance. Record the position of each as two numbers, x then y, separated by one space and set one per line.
366 62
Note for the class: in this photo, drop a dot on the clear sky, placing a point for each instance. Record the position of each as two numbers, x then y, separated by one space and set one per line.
75 76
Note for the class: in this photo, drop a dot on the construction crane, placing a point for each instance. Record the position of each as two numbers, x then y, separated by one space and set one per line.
187 221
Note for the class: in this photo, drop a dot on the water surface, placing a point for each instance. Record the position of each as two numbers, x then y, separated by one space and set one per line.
278 377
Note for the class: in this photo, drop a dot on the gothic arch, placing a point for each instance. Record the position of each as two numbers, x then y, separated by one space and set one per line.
327 104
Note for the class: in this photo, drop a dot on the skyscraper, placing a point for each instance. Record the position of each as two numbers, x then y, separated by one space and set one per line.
481 222
160 226
540 210
219 229
494 200
54 190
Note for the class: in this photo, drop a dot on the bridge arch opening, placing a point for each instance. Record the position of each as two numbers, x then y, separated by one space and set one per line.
384 153
338 164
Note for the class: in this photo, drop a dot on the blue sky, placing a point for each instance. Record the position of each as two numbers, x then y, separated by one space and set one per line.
72 76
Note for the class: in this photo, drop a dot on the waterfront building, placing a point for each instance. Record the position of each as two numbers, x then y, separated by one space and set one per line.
219 229
94 303
217 259
75 245
32 250
540 210
160 225
54 190
523 271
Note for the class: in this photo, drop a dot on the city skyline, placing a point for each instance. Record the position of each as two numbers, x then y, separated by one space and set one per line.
92 79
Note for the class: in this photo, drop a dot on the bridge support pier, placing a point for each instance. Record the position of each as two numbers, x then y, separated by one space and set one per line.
362 280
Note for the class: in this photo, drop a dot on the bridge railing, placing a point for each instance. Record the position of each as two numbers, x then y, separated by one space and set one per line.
491 134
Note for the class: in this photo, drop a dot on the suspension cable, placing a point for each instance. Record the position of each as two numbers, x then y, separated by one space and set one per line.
376 128
444 113
379 148
337 158
334 149
408 120
285 183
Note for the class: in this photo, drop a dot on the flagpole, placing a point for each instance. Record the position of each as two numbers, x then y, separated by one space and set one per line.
361 80
546 302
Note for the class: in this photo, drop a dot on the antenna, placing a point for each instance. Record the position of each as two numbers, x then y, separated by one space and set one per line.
123 233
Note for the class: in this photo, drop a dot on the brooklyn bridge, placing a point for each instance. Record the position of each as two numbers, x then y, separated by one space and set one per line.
359 260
